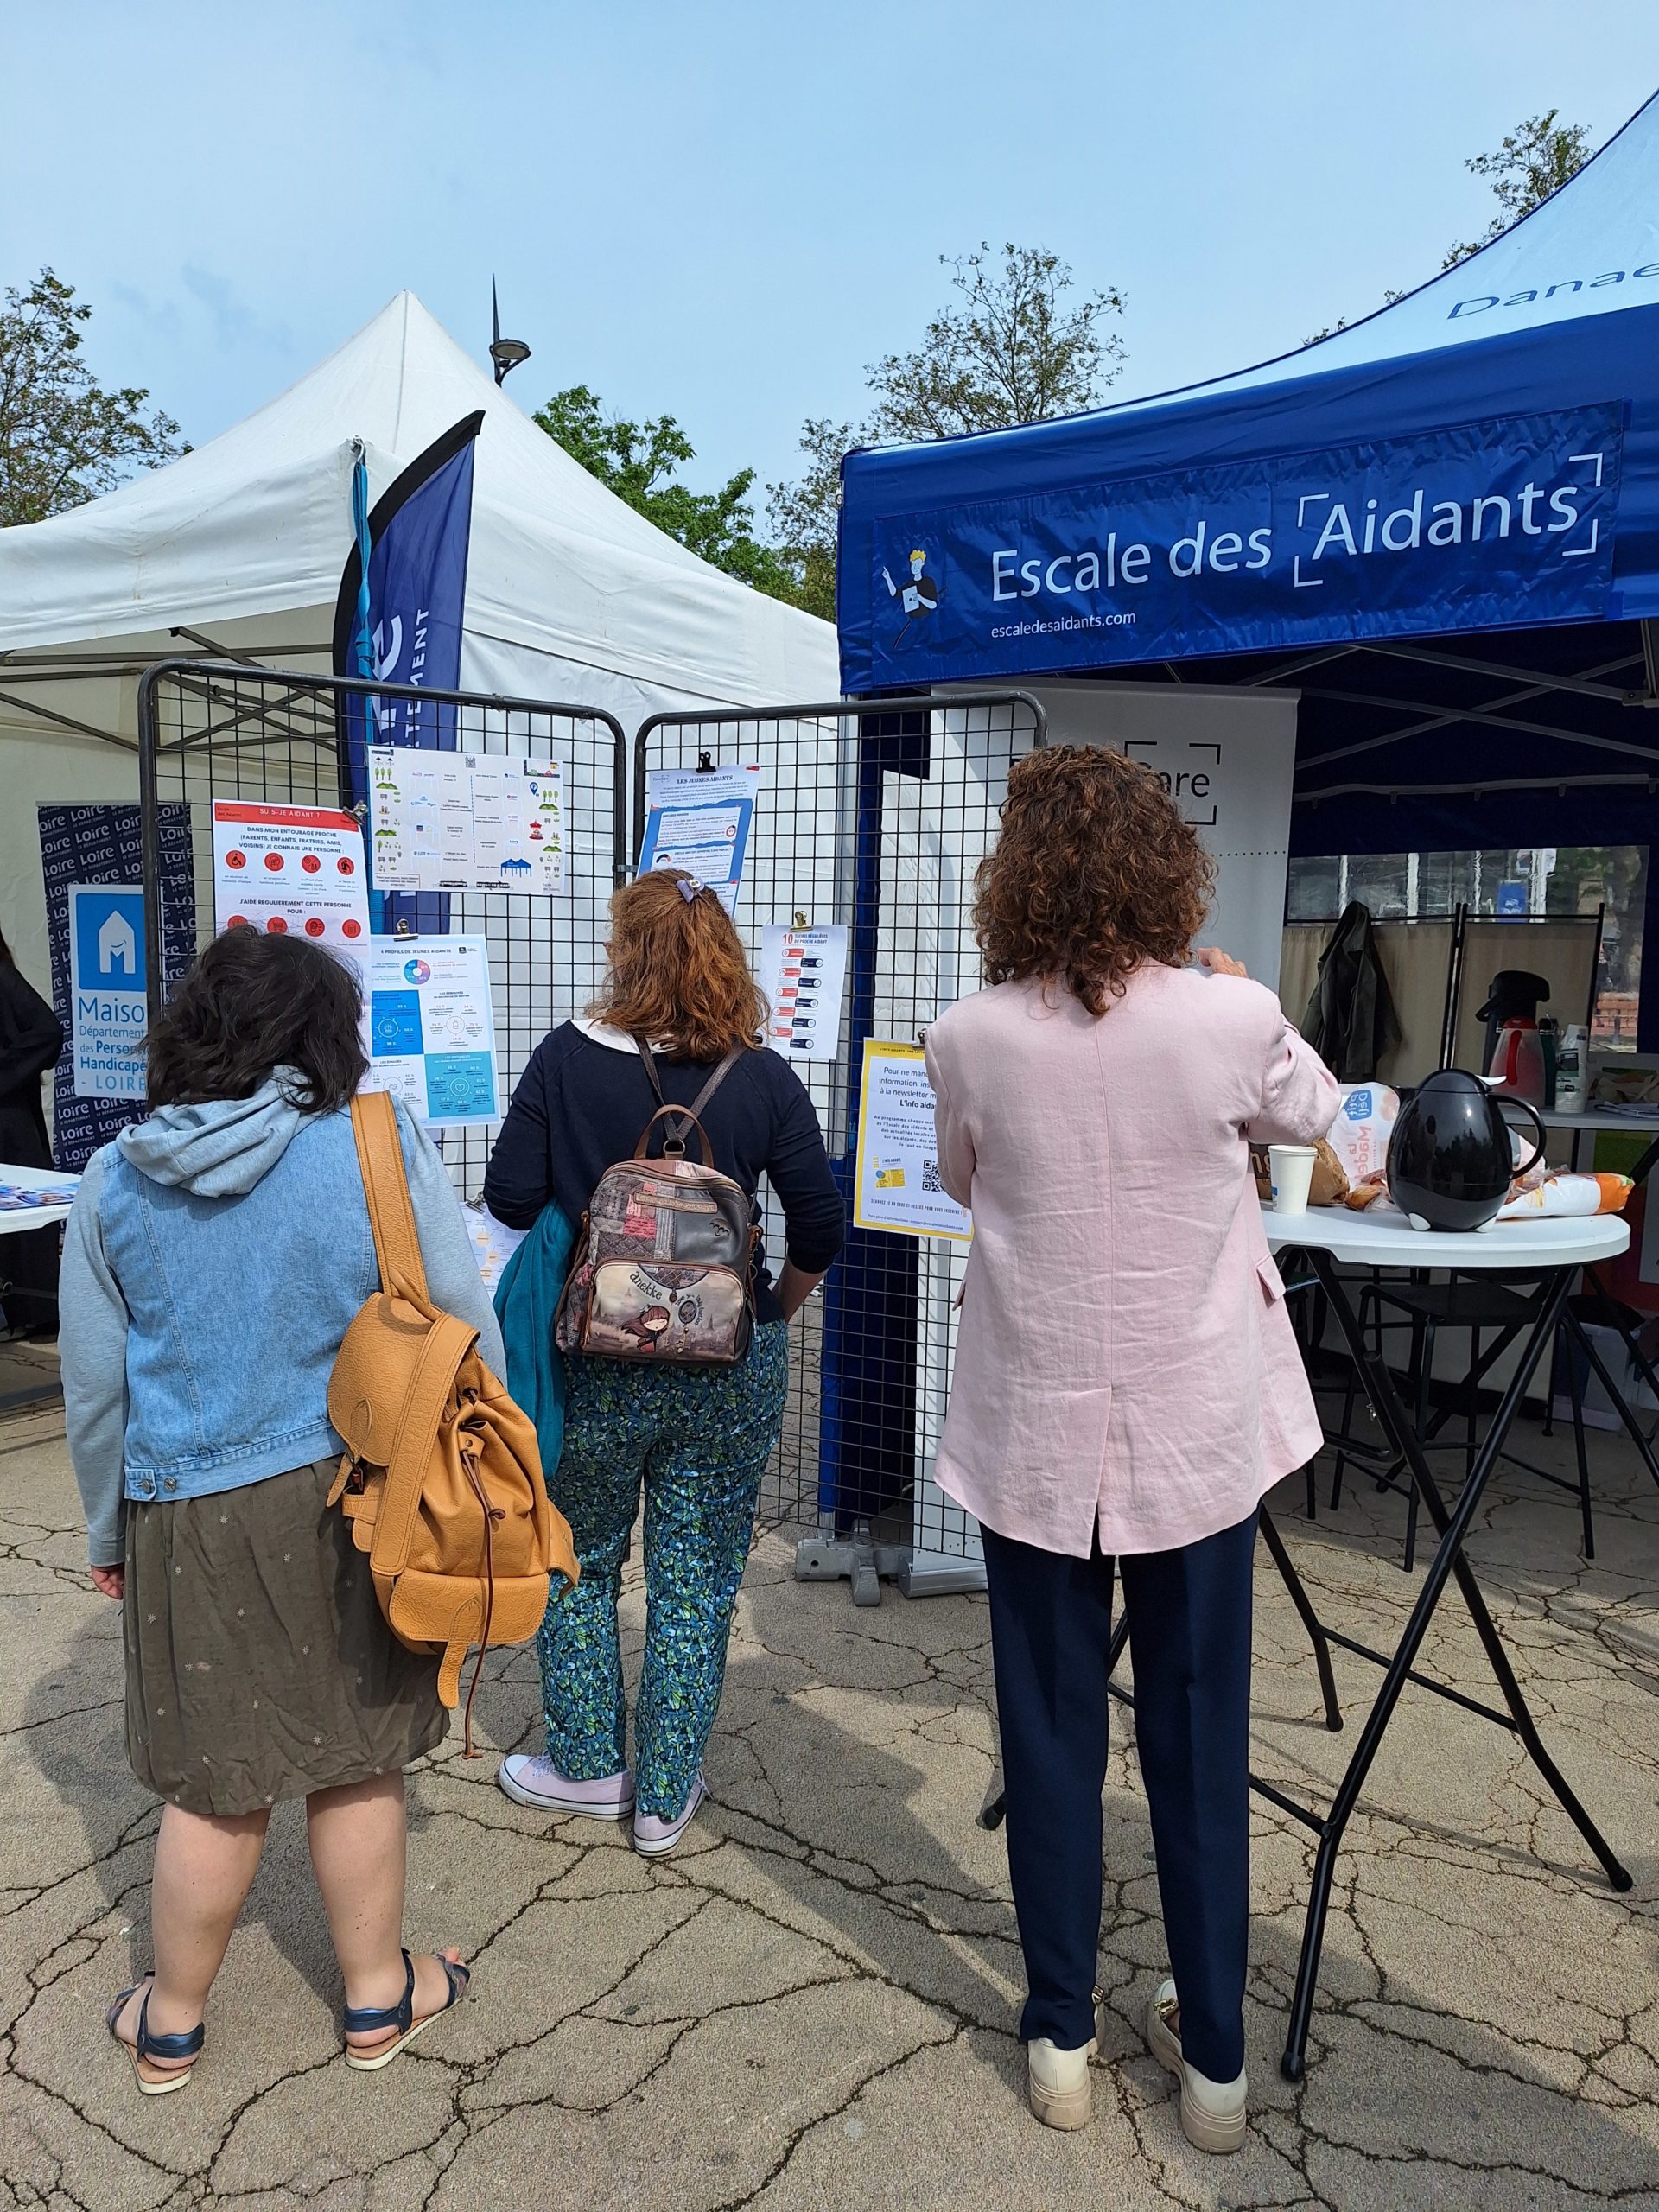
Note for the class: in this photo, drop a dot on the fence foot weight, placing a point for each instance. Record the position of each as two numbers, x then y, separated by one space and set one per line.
857 1558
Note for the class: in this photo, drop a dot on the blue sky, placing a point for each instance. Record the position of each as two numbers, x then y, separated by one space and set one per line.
724 210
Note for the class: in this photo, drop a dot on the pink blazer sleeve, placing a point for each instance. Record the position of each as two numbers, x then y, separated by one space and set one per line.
955 1145
1299 1096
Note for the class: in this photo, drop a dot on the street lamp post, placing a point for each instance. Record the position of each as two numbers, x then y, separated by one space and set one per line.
506 352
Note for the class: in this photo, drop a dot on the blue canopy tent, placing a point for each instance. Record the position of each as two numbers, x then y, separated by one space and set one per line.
1442 525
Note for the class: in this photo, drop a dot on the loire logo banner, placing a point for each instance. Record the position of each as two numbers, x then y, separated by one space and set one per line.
1467 528
108 1014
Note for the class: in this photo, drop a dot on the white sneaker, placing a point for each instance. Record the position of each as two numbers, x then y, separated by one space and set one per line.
1213 2113
538 1782
654 1838
1058 2085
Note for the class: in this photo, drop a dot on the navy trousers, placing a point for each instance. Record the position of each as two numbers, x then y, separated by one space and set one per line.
1190 1633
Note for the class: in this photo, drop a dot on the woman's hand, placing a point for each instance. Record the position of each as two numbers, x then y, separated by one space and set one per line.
1214 961
794 1288
111 1581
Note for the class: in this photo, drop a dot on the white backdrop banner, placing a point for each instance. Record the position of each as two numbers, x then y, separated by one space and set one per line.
1228 759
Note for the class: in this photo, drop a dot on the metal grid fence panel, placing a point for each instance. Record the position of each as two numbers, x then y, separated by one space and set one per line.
875 819
218 732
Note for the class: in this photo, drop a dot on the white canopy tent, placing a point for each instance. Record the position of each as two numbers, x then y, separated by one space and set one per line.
236 550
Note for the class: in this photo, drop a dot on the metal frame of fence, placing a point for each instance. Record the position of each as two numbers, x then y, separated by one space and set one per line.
222 730
875 815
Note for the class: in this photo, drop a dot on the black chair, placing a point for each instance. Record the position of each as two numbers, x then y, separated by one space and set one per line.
1480 1305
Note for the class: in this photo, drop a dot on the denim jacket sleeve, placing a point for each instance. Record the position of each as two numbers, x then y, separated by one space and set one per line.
92 1347
452 1275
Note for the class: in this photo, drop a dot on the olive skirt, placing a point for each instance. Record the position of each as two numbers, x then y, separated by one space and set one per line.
258 1664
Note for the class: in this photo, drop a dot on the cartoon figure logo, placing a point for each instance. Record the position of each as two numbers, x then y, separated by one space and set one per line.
648 1329
919 597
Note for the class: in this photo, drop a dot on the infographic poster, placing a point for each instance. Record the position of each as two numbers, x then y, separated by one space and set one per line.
465 821
282 868
699 819
804 975
431 1031
896 1185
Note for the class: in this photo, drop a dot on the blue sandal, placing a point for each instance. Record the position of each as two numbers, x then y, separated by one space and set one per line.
187 2045
399 2018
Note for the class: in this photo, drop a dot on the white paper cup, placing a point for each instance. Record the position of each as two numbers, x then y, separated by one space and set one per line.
1291 1169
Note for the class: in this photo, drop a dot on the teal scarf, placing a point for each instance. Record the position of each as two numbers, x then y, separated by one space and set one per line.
526 1299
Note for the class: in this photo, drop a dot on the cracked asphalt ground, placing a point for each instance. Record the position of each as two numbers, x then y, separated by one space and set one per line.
814 2004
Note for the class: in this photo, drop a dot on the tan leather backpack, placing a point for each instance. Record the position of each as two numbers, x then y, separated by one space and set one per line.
442 1480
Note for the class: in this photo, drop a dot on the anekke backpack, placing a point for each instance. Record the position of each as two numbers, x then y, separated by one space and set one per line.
664 1254
442 1480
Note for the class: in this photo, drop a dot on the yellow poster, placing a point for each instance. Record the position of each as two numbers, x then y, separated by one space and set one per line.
897 1182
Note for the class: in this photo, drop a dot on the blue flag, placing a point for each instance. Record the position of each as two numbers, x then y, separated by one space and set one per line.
398 618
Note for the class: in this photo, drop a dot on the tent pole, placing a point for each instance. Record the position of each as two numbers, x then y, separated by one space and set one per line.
1650 664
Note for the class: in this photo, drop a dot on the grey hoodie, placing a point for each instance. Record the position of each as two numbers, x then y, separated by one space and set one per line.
212 1262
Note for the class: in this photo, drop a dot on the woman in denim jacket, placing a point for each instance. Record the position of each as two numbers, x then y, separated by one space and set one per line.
215 1255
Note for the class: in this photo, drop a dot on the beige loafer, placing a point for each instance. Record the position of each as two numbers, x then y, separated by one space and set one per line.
1213 2116
1057 2086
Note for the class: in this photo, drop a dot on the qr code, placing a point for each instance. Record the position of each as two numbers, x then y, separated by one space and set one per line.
931 1176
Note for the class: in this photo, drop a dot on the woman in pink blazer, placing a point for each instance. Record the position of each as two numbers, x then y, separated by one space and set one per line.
1127 1384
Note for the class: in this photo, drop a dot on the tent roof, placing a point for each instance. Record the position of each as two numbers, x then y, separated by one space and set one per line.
1494 737
1560 312
258 522
1602 224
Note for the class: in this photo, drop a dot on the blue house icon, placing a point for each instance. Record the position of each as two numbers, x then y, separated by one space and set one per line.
108 936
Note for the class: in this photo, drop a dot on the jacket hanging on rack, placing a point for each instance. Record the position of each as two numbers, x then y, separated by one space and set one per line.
1350 1021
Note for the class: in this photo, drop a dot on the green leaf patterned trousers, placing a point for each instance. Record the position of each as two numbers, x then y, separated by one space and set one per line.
699 1439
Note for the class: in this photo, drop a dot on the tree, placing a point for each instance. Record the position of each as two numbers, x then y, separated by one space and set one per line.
1014 350
63 437
1014 353
1532 162
803 515
638 461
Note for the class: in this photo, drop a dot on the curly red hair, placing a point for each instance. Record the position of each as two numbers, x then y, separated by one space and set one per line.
678 973
1094 873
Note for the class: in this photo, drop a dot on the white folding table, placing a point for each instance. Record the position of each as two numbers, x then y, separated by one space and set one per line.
1549 1254
18 1223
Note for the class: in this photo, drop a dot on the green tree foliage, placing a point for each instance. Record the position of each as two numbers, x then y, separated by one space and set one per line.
1013 351
1011 348
63 437
639 462
1533 162
803 515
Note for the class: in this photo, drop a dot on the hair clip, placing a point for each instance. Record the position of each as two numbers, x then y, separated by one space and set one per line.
689 886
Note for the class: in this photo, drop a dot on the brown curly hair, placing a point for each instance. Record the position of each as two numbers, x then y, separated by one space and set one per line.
1095 871
678 973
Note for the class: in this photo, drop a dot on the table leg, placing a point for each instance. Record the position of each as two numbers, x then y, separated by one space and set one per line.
1311 1621
1633 1428
1448 1563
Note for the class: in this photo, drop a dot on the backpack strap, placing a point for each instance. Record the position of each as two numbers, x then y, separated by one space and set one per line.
385 1186
678 1136
431 1387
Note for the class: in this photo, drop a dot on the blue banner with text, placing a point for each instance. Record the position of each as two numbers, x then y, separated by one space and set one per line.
1467 528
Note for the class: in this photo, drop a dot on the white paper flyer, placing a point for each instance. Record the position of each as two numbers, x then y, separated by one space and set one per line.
431 1032
282 868
699 819
804 975
465 821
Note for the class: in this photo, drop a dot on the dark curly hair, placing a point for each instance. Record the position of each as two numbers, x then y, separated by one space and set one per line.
252 1004
1095 871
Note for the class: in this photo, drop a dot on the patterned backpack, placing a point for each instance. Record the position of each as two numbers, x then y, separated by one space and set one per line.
664 1254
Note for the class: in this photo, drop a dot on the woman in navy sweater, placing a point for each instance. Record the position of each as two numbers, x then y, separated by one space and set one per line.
698 1439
